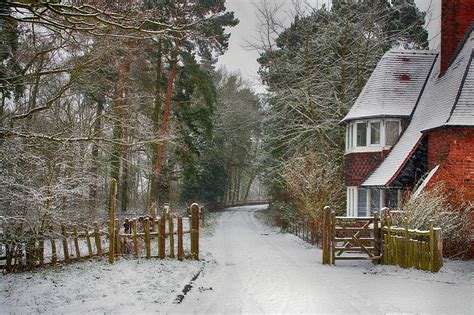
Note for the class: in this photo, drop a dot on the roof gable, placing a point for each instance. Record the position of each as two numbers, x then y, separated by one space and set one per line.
395 85
444 99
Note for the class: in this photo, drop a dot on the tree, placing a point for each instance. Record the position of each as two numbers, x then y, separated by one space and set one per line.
315 70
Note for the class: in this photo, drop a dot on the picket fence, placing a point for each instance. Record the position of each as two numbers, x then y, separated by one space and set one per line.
153 236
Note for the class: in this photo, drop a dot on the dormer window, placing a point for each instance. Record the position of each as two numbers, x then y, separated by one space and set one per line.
372 135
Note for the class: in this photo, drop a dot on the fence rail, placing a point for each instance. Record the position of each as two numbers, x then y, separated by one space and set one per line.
146 236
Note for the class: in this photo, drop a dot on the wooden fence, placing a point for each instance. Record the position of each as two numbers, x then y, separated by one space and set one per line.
307 229
147 236
347 238
411 248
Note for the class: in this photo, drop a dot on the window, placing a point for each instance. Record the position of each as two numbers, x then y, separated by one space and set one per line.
391 199
392 130
375 132
361 134
362 202
374 201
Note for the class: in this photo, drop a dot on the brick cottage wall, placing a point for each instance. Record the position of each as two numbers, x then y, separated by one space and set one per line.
358 166
453 149
456 17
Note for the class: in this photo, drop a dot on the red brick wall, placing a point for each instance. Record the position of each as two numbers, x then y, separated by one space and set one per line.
360 165
453 149
456 16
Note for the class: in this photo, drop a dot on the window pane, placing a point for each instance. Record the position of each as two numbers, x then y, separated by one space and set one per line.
362 202
351 135
391 199
361 134
374 201
392 130
347 137
375 133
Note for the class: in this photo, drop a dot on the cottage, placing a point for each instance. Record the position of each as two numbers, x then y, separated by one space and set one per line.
414 120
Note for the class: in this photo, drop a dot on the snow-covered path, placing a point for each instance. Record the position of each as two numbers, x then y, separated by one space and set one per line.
257 270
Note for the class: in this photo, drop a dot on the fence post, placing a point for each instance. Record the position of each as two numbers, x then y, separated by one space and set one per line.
162 233
112 206
436 248
376 238
88 239
98 243
135 237
195 231
147 237
171 235
333 237
404 253
65 248
180 238
76 242
326 233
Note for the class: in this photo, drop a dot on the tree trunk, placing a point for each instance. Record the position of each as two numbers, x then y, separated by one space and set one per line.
95 157
119 104
160 153
156 122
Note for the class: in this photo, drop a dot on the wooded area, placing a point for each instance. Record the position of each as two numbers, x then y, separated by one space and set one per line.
99 90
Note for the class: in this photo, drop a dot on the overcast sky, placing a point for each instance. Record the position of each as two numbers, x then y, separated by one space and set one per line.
239 58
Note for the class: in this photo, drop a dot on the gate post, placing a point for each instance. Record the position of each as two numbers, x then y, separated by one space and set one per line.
376 238
326 234
195 231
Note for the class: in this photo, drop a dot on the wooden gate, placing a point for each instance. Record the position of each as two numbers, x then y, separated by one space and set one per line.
350 238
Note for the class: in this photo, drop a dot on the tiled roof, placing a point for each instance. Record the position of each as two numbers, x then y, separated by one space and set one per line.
463 112
395 85
433 110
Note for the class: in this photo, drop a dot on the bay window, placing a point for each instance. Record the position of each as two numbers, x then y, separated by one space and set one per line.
372 135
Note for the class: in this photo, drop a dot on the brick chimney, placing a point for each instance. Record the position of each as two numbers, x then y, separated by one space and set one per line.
456 18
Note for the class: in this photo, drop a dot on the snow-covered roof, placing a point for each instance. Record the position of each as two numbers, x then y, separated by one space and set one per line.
395 85
445 100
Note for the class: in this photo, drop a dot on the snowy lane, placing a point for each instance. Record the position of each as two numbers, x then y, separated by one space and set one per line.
257 270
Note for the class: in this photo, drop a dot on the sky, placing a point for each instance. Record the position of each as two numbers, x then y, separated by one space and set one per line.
242 59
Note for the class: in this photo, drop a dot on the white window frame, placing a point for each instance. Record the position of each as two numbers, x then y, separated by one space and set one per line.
351 210
351 135
399 131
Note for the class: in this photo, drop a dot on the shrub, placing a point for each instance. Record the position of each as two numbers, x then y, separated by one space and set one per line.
433 204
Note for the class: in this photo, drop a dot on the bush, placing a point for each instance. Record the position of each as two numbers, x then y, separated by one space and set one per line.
433 204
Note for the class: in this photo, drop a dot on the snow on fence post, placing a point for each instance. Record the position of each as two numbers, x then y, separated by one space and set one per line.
436 248
326 234
98 244
65 247
195 231
180 238
147 238
112 205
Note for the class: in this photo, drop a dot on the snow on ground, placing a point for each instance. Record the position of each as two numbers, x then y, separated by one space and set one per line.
247 268
96 286
256 269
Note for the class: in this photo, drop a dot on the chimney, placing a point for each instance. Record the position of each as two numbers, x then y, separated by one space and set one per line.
456 18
